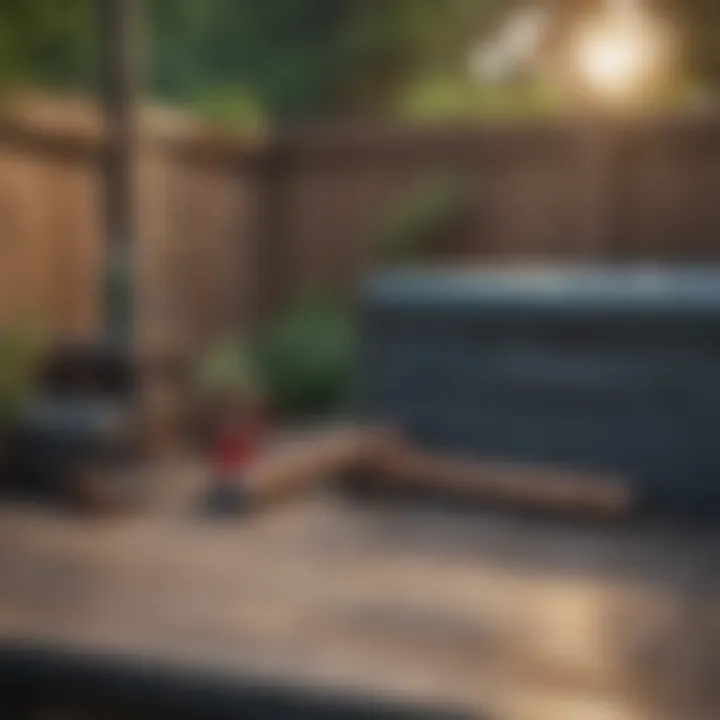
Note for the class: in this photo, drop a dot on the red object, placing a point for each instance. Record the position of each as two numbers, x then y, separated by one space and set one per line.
237 448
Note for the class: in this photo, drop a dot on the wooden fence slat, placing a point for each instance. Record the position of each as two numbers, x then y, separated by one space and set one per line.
228 231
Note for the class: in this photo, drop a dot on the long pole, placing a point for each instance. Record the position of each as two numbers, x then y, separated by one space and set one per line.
119 88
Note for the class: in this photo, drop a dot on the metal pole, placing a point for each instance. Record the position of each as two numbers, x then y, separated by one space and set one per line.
119 88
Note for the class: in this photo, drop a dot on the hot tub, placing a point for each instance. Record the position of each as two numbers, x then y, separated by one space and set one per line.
608 369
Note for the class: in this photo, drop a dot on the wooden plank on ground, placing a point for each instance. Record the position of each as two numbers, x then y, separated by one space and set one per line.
399 464
296 466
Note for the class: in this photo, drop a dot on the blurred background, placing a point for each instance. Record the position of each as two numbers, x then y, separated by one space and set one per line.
283 145
250 63
245 166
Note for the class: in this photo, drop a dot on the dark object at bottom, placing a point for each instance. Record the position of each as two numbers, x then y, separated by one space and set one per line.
613 370
34 678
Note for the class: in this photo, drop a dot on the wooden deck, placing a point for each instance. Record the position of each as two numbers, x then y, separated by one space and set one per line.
524 619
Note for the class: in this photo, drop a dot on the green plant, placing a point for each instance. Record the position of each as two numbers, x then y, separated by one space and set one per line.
20 351
307 357
225 368
419 220
235 108
442 98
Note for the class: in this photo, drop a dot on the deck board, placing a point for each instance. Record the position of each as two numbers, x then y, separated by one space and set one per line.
480 611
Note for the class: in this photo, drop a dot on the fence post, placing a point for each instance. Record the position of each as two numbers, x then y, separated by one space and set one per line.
117 21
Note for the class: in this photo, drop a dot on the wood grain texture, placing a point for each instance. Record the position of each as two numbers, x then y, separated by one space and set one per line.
530 619
398 464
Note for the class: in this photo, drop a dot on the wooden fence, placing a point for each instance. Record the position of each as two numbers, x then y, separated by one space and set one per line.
193 267
228 231
572 191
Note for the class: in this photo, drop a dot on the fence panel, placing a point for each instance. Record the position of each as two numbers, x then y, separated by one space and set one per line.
228 231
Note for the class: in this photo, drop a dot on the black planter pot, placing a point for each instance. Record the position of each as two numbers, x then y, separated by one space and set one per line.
83 420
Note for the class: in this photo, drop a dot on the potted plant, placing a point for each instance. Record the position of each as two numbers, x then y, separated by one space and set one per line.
227 368
307 355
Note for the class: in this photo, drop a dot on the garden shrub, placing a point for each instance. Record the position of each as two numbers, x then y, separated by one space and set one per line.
227 367
307 356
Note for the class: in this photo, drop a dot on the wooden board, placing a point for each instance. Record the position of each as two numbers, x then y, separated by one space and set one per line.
394 463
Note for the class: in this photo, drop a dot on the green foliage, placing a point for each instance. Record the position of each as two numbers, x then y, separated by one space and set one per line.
392 43
438 98
420 219
20 351
303 364
244 59
235 108
287 53
307 357
241 60
48 41
228 367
